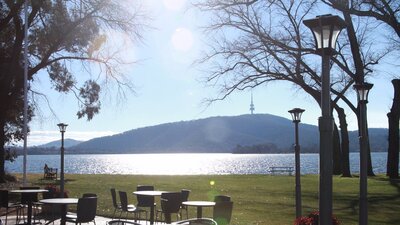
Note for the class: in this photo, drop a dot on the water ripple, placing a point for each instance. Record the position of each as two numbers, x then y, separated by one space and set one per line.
181 164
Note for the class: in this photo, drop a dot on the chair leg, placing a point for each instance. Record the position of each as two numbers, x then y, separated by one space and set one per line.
120 215
6 215
113 214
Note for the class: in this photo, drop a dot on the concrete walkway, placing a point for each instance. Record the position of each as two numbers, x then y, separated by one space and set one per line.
99 221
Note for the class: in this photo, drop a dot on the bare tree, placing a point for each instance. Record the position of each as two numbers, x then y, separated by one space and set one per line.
261 42
386 13
63 35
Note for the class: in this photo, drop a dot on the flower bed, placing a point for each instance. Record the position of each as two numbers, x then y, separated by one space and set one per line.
313 219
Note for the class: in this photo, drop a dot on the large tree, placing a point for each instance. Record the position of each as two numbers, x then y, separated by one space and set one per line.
261 42
63 36
386 13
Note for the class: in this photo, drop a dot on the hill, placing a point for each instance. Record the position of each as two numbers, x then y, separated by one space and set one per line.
210 135
67 143
258 133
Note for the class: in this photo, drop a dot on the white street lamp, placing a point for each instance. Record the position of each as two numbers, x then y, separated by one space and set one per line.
325 29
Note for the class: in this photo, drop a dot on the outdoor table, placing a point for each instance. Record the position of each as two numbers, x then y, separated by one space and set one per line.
63 202
30 193
199 205
150 193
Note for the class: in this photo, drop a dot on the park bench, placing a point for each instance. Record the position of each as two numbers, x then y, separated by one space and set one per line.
50 173
281 169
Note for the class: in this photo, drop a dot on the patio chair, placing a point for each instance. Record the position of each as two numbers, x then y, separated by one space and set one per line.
222 198
29 197
222 212
143 201
197 221
85 211
88 195
127 208
170 203
121 222
5 203
116 205
185 197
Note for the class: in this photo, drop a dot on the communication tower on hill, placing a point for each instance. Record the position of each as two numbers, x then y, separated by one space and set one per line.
252 104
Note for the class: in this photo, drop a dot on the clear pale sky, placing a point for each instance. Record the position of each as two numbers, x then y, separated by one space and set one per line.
168 87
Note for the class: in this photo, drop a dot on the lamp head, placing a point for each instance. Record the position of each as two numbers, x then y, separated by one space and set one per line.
62 127
363 90
296 114
325 29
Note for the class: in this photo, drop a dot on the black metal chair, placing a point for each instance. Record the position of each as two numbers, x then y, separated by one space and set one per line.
222 198
170 203
185 197
29 197
122 222
197 221
143 201
222 212
5 203
116 205
85 211
125 207
88 195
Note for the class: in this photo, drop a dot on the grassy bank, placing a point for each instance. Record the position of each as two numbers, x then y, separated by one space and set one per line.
258 199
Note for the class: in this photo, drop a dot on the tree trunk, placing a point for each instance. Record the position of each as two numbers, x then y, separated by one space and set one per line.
2 143
337 168
392 170
370 169
344 133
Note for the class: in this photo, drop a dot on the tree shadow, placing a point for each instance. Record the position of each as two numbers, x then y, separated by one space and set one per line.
385 206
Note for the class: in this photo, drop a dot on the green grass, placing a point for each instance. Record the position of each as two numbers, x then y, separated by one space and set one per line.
258 199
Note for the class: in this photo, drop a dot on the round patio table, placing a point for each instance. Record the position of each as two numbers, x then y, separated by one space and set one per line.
31 193
199 205
149 193
63 202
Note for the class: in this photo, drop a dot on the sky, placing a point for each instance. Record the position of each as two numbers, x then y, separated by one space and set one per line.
167 87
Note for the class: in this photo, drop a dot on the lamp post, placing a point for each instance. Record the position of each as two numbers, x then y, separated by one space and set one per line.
296 116
62 127
325 29
362 96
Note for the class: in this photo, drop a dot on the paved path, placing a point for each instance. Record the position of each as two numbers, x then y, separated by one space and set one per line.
99 221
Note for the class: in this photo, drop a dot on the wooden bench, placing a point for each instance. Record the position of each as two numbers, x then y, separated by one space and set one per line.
50 173
281 169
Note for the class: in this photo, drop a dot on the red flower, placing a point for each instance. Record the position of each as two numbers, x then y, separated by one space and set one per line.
313 219
304 220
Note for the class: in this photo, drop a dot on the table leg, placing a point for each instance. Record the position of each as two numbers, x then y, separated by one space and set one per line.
199 212
63 214
152 214
29 213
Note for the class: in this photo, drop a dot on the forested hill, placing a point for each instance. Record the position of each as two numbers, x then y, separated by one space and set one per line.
245 133
215 134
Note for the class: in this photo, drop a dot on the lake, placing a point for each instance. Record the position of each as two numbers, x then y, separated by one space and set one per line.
181 164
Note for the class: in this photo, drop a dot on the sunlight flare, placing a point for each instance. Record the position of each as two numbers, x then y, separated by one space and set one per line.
174 5
182 39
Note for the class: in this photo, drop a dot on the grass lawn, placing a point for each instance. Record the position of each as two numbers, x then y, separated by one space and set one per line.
258 199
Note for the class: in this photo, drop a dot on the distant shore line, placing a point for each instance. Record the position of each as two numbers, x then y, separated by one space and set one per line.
139 153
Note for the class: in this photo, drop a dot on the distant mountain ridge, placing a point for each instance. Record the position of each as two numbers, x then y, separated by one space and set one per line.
68 142
258 133
220 134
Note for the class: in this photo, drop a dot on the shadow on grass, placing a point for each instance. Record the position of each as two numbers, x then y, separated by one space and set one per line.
383 206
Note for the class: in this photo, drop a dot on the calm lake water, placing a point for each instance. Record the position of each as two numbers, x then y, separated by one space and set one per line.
181 164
